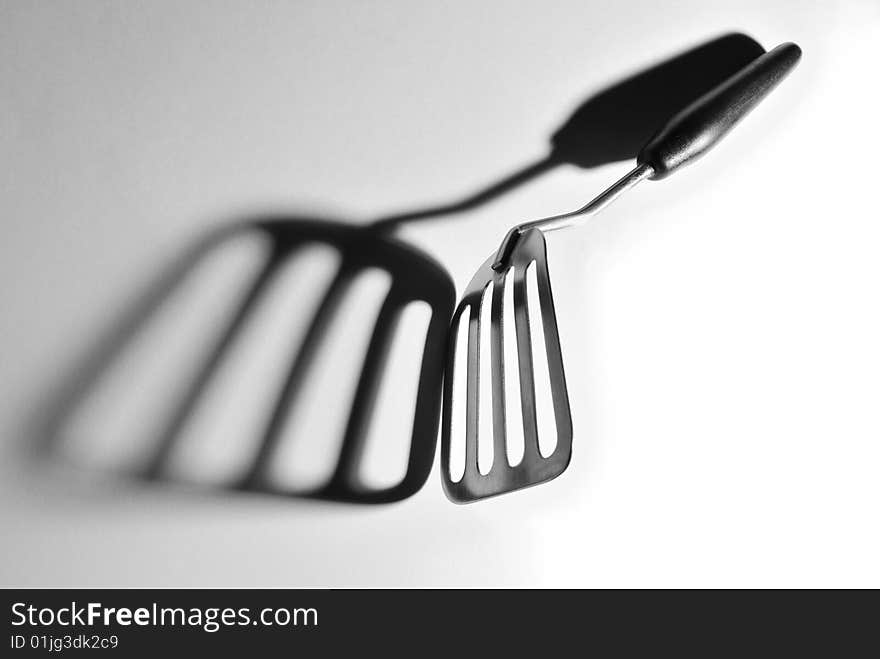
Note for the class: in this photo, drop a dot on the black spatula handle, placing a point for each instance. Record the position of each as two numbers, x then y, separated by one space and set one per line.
697 128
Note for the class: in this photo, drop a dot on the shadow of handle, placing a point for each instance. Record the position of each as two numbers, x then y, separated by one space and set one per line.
613 124
487 194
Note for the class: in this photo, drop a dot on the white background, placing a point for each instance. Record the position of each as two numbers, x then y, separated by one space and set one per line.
721 328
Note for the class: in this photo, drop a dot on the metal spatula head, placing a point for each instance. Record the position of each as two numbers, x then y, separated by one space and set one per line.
533 468
684 138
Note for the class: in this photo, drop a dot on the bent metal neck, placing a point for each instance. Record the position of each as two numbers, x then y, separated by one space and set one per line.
636 175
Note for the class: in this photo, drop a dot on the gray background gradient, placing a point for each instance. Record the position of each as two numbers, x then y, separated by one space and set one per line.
720 328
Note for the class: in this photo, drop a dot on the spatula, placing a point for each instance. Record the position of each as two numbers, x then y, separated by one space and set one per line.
684 138
608 127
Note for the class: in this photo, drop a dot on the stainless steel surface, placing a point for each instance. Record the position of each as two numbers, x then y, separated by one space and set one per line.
533 468
523 246
634 176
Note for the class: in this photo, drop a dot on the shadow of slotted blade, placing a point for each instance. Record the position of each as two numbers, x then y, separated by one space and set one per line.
345 477
170 434
303 357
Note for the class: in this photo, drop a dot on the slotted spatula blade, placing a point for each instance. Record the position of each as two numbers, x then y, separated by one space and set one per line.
533 468
684 138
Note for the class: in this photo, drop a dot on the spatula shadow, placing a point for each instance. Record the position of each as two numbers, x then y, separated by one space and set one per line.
609 126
